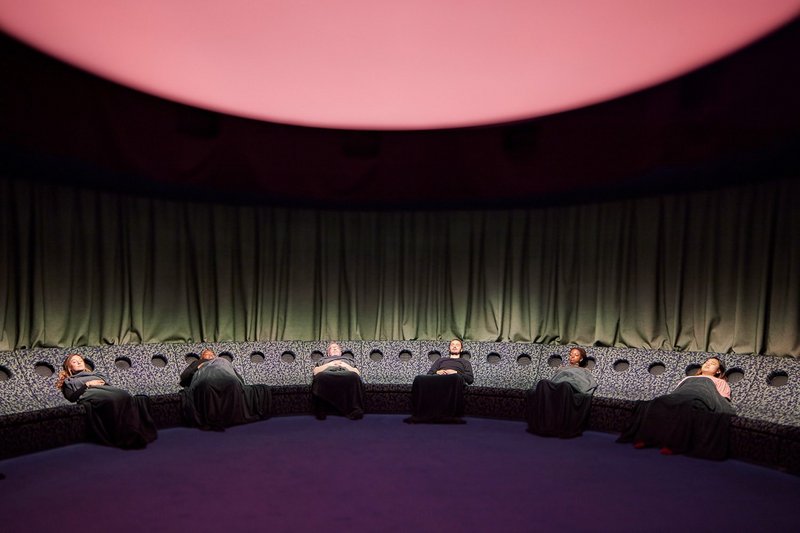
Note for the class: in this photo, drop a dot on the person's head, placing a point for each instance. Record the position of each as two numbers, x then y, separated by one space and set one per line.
577 356
72 364
712 366
207 355
334 350
455 347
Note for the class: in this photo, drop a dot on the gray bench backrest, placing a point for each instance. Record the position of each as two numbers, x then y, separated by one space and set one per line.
622 373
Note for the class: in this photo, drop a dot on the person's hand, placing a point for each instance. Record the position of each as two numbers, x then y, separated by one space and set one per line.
441 372
95 383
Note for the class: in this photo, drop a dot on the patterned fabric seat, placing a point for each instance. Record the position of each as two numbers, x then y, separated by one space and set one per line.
766 390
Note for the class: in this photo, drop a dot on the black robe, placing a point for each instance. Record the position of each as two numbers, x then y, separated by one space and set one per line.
337 391
115 418
694 420
560 407
214 396
439 399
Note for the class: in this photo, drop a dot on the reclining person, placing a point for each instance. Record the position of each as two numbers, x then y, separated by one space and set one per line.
694 419
559 407
215 396
438 396
337 385
115 418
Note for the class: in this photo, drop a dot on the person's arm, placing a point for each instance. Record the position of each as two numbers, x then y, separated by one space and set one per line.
725 390
332 364
469 377
592 385
348 366
72 389
435 367
323 368
188 373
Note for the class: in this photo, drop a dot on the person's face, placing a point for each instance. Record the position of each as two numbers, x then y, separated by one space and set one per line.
710 367
334 350
574 357
207 355
455 347
76 364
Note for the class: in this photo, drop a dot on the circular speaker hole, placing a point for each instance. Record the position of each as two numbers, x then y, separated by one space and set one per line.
348 353
5 374
524 360
622 365
434 355
159 361
692 369
315 356
591 362
493 358
191 357
657 368
44 369
123 363
288 357
554 361
405 356
256 358
375 355
89 363
735 375
779 378
228 356
466 355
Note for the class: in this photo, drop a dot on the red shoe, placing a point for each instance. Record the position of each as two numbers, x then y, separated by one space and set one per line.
666 451
639 444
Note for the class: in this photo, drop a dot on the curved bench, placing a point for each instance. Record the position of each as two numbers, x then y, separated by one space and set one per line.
766 390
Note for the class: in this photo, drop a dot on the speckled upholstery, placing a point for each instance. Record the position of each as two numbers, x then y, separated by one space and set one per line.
34 415
273 370
143 377
507 373
391 369
16 394
635 383
765 402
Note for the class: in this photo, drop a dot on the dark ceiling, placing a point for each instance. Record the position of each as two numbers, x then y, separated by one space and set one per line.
737 120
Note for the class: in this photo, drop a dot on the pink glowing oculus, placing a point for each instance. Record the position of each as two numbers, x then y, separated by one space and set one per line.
372 64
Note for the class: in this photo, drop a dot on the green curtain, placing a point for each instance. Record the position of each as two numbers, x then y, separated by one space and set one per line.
713 271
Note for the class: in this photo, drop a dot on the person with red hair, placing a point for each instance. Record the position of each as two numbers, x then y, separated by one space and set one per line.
114 417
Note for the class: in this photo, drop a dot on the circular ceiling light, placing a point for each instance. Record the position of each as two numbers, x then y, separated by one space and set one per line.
416 64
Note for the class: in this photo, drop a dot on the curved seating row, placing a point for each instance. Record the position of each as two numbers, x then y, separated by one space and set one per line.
766 390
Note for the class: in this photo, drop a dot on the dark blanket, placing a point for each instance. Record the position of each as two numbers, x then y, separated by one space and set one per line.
557 410
693 420
437 399
338 391
116 418
217 398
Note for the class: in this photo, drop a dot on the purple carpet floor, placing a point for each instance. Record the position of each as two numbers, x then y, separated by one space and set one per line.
378 474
